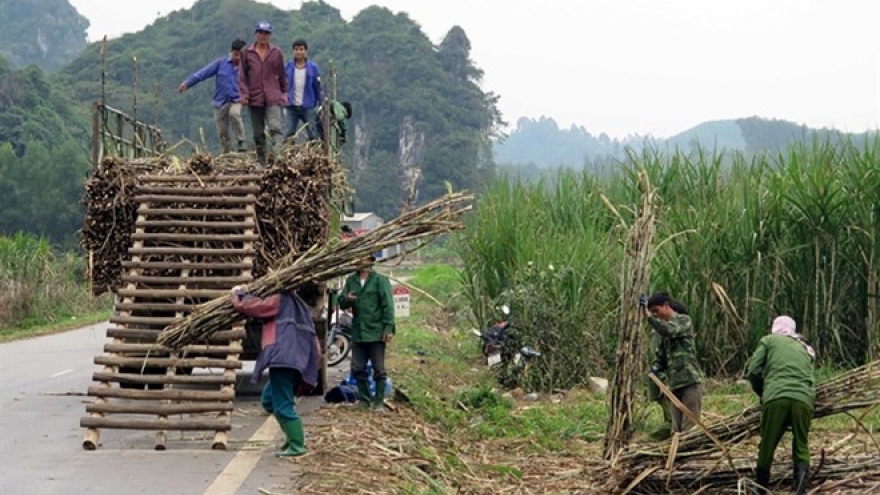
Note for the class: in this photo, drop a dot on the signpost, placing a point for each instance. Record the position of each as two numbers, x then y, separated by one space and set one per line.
401 301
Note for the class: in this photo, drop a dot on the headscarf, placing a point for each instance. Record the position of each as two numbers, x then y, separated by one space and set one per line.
785 325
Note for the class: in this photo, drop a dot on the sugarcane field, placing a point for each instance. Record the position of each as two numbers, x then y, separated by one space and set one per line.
413 248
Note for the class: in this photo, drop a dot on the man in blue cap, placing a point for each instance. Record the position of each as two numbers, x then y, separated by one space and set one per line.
263 86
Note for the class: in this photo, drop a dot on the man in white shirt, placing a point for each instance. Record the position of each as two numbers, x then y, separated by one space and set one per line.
304 95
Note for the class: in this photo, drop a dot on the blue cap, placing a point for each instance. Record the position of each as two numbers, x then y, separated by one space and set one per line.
264 26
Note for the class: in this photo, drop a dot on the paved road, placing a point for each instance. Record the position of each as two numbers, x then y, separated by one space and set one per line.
42 398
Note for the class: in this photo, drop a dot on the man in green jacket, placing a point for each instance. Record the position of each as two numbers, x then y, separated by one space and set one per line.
683 373
781 373
369 295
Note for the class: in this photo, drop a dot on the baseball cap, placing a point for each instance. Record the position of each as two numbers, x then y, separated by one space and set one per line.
264 26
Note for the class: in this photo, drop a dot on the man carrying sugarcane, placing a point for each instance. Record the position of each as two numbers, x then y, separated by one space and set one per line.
290 351
369 295
781 373
683 373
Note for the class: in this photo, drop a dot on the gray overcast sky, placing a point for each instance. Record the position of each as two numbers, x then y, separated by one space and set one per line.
626 66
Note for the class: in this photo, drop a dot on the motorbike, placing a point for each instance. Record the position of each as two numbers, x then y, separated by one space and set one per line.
499 345
339 337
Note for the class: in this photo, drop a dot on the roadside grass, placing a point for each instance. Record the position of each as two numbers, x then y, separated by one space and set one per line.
38 327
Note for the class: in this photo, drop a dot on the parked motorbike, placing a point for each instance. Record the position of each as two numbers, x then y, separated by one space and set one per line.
339 337
499 345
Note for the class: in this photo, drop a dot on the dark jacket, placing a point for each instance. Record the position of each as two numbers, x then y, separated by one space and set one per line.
263 83
373 307
289 338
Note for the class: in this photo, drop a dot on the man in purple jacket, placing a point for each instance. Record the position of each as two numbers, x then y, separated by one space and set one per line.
304 94
290 351
227 108
263 87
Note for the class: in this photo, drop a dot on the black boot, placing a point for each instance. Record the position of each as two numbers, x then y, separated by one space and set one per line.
801 477
762 478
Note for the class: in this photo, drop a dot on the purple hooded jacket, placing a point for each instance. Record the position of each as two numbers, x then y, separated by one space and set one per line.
262 83
289 338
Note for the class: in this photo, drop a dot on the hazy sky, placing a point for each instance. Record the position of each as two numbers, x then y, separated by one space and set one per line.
626 66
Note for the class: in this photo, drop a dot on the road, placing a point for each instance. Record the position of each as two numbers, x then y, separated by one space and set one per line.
42 398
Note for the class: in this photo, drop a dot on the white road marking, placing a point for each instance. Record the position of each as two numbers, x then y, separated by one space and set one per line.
56 375
240 467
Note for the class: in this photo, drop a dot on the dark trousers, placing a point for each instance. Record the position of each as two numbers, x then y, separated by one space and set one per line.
368 351
262 117
692 398
776 416
279 394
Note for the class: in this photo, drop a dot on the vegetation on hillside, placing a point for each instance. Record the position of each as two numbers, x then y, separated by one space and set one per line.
418 107
46 33
43 157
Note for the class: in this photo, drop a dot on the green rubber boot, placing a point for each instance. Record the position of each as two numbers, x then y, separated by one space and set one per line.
379 399
365 398
296 438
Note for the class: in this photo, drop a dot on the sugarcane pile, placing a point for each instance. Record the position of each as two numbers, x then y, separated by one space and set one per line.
110 217
704 458
293 207
323 262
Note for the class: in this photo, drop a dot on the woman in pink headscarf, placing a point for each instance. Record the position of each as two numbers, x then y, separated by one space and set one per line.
781 373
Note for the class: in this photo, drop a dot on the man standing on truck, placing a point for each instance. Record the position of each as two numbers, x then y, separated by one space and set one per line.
369 295
263 87
227 107
304 79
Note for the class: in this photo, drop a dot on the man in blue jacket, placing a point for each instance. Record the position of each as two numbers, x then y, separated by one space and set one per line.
304 94
227 107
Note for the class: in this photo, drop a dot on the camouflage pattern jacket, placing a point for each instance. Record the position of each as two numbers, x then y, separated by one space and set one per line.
679 350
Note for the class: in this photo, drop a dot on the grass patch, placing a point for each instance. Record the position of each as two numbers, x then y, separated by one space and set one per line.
33 328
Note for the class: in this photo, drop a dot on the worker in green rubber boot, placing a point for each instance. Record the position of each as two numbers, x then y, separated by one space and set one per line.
781 373
369 294
291 353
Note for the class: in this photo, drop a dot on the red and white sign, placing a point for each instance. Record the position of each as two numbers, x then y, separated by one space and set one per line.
401 301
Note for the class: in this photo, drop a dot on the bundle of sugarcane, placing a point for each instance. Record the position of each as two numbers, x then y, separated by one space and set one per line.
637 265
411 230
713 475
295 203
110 216
855 389
293 207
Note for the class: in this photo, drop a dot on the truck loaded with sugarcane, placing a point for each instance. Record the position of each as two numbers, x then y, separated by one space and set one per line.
165 234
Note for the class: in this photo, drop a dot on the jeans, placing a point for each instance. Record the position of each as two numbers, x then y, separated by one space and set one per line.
297 114
261 118
361 352
229 115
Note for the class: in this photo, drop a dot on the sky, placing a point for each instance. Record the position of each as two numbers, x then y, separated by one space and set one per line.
627 67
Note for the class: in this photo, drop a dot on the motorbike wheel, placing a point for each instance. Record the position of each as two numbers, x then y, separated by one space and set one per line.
338 349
